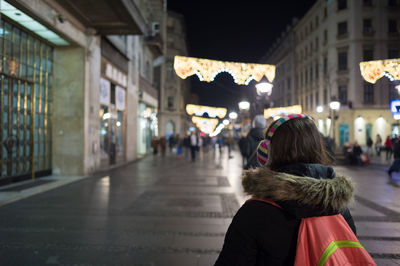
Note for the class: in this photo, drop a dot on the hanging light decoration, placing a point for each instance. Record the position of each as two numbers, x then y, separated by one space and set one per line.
374 70
207 69
200 110
278 111
206 125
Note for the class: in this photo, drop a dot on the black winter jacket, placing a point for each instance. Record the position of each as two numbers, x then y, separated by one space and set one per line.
262 234
252 140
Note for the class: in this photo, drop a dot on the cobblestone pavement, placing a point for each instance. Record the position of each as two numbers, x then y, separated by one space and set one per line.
166 211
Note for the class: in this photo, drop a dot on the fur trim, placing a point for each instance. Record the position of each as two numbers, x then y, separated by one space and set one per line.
332 194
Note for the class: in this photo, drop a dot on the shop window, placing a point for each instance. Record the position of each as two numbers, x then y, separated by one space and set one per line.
342 4
368 54
23 55
342 94
368 93
367 27
342 61
395 130
342 28
120 133
392 26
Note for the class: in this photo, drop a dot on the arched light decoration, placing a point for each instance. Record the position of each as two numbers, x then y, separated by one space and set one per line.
199 110
207 69
278 111
206 125
374 70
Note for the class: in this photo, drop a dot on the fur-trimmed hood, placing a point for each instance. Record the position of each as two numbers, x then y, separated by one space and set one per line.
315 187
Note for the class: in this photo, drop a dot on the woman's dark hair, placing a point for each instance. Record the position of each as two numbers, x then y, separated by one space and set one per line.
297 141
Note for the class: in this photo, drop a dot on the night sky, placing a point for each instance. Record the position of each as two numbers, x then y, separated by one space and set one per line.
239 31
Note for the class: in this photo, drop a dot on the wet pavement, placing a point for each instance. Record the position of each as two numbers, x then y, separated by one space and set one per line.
167 211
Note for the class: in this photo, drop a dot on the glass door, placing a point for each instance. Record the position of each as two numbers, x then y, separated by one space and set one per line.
16 123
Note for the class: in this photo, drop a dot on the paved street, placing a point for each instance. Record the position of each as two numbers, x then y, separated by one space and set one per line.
166 211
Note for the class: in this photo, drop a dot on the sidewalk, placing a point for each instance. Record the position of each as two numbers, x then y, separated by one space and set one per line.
25 189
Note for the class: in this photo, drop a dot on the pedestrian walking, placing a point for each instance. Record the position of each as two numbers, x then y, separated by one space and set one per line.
163 144
171 142
388 147
186 146
369 145
194 142
395 167
229 142
357 151
297 176
256 134
378 145
154 144
242 148
179 145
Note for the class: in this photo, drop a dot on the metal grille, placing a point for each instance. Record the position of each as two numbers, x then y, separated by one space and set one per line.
25 80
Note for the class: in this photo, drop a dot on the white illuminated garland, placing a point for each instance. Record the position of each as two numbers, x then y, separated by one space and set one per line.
207 69
374 70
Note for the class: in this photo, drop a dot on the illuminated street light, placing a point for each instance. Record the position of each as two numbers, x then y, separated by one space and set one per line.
264 88
320 109
233 115
244 105
334 105
225 122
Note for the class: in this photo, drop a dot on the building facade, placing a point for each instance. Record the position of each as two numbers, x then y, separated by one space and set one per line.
329 43
71 84
175 94
282 55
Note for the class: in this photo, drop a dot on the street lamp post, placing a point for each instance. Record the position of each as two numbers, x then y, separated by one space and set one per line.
334 105
263 91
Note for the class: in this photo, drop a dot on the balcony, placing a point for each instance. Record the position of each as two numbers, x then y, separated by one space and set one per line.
120 17
146 86
155 44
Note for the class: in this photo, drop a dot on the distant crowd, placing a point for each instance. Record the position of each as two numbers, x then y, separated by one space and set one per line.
189 145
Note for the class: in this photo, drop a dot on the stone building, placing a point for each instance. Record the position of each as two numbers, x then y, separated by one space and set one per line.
172 115
73 83
330 41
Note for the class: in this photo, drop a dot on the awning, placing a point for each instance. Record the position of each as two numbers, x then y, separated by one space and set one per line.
107 17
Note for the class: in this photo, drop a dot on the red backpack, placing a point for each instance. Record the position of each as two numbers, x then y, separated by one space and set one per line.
327 240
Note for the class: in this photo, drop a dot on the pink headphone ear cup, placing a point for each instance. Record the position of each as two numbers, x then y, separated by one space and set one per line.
262 152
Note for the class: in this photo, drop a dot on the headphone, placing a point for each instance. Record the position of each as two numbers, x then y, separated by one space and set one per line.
264 146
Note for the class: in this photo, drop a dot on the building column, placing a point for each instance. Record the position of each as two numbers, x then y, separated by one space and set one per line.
68 111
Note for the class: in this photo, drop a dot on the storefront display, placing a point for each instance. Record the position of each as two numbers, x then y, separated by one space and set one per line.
26 77
112 115
147 127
